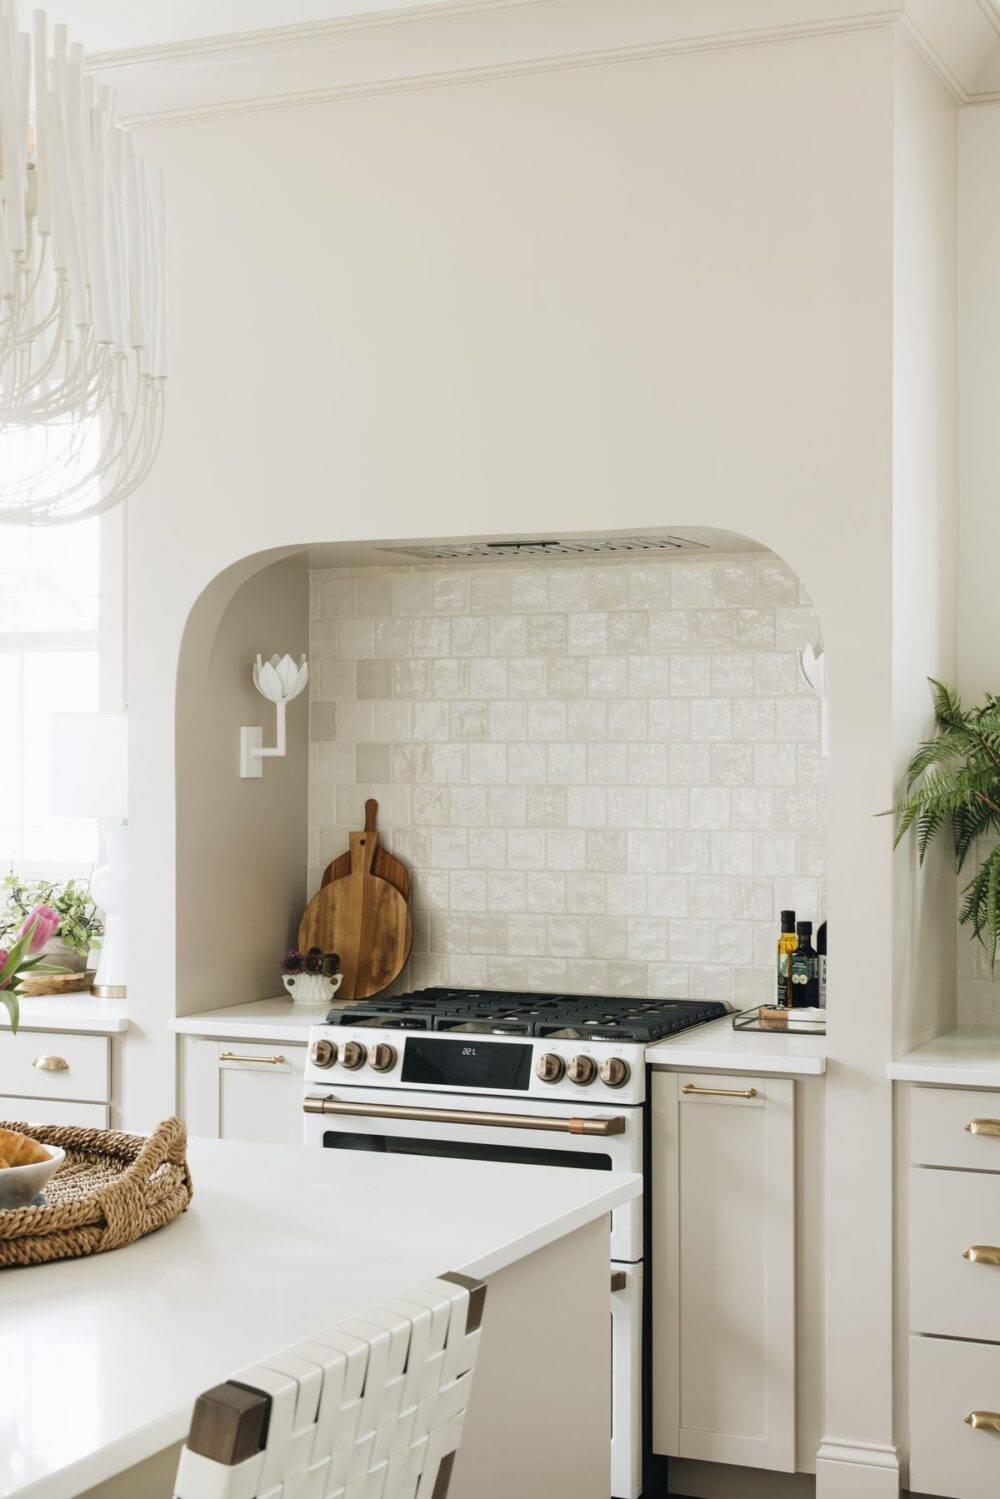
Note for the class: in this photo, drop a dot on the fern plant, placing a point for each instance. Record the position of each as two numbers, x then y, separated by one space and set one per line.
954 780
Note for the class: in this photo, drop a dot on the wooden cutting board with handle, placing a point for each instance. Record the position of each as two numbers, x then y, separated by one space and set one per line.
385 865
364 918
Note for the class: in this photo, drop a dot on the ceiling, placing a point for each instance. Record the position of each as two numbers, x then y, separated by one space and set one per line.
114 25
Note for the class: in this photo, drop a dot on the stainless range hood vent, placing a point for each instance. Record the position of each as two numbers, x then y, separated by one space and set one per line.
594 546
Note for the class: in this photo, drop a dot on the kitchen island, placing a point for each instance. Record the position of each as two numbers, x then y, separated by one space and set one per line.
103 1358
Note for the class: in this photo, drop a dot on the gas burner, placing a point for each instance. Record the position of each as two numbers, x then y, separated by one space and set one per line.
570 1017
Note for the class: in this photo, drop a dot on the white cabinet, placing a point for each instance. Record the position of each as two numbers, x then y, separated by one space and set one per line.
723 1268
953 1184
243 1090
55 1077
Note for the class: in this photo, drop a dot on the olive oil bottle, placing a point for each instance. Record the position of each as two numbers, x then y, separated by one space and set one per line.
787 943
804 967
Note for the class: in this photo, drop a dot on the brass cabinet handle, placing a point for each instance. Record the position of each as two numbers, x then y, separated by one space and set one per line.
315 1104
983 1127
619 1280
983 1420
233 1056
719 1092
51 1064
982 1254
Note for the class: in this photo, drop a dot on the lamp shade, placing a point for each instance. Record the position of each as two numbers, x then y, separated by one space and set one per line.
89 765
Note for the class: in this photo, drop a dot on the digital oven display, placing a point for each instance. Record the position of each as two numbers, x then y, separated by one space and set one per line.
466 1063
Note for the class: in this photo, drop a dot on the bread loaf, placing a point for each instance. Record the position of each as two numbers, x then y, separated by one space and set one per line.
20 1150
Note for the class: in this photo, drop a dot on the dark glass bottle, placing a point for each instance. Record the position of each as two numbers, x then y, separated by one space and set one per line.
804 981
787 944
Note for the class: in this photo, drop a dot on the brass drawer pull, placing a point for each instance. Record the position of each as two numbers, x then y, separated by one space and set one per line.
233 1056
316 1103
619 1280
982 1254
719 1092
983 1420
51 1064
983 1127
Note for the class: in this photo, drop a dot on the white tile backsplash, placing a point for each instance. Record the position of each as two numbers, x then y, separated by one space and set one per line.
604 778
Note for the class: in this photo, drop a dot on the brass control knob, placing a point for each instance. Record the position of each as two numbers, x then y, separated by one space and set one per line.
323 1053
551 1068
582 1070
383 1057
615 1072
354 1055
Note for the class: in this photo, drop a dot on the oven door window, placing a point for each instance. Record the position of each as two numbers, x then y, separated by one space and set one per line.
580 1160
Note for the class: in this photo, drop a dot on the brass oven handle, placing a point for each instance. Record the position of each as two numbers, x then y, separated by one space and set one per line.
234 1056
982 1254
315 1104
719 1092
51 1064
983 1127
983 1420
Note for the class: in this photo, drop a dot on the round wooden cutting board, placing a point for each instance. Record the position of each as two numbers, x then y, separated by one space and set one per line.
363 918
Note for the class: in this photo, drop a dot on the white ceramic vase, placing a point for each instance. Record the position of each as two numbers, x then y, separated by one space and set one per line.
311 988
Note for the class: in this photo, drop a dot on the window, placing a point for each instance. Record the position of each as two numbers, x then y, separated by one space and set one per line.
50 650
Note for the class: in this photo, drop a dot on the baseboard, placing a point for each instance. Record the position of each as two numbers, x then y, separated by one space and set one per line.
856 1470
698 1480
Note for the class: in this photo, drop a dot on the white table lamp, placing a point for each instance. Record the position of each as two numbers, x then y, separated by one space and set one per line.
90 779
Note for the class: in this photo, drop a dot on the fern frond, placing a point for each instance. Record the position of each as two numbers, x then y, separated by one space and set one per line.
947 705
948 746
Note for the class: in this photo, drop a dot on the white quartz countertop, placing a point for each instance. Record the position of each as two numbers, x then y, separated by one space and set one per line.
718 1046
968 1057
103 1358
70 1012
263 1019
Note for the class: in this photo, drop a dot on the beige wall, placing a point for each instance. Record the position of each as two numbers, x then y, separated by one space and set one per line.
622 296
979 596
925 516
241 844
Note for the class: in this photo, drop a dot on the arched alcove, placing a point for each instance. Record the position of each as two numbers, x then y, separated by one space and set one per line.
602 766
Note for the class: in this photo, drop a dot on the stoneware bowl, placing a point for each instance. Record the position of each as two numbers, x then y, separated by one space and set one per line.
20 1185
311 988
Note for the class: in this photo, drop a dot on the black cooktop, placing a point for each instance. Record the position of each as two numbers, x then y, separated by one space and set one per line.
571 1017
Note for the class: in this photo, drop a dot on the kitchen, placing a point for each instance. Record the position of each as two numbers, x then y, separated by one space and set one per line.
605 277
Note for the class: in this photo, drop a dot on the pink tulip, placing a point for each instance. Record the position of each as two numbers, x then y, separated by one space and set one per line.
3 959
42 923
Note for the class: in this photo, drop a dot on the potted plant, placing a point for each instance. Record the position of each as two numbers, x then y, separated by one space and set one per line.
23 954
311 978
79 927
953 780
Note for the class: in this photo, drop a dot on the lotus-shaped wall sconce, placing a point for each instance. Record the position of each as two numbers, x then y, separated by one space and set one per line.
279 680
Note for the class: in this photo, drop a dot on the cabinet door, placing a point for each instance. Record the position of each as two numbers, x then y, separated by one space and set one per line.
243 1090
54 1111
723 1267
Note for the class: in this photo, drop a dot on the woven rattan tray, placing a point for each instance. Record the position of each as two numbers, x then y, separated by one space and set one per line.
111 1189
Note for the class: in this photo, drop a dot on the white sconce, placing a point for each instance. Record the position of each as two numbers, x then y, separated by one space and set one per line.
813 665
279 680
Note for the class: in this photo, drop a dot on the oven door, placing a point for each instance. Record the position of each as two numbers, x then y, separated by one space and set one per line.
396 1121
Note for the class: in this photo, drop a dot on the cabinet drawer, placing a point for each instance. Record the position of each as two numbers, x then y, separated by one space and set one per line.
948 1381
950 1211
50 1064
53 1111
938 1128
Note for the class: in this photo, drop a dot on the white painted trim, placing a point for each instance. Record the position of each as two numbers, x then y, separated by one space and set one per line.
478 41
856 1470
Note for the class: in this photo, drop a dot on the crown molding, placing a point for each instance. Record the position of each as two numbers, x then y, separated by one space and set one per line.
475 41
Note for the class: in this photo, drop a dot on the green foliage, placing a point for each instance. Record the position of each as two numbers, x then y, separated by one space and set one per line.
954 779
80 925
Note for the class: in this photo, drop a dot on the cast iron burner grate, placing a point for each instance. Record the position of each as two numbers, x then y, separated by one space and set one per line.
503 1012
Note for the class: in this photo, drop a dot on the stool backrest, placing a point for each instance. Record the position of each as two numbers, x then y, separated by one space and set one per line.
371 1408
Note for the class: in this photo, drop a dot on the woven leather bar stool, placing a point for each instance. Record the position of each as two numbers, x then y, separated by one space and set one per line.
372 1408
